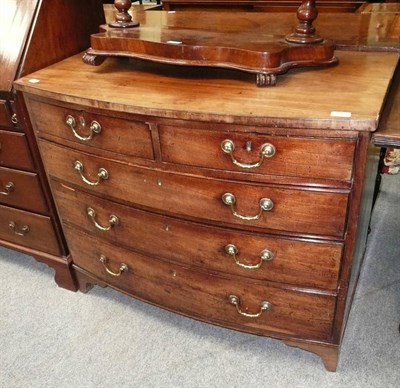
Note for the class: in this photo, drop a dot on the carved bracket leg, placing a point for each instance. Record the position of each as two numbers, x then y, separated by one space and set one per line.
63 271
92 59
328 353
263 79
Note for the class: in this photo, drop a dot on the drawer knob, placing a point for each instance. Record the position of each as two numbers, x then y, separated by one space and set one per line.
19 232
265 255
265 204
94 128
113 220
101 175
264 306
8 189
267 151
122 268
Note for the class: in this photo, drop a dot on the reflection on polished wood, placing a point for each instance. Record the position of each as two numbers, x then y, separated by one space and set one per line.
253 51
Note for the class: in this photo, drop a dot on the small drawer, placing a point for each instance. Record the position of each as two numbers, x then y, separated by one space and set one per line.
30 230
14 151
258 154
257 256
232 302
304 210
99 132
21 189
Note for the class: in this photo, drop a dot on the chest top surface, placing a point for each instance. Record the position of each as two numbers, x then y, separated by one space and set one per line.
348 96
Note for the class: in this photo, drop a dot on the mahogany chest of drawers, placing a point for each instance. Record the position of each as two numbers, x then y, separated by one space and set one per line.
34 34
196 191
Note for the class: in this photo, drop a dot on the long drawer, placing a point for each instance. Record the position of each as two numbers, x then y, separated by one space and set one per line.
96 131
21 189
14 151
28 229
307 157
306 211
256 256
206 296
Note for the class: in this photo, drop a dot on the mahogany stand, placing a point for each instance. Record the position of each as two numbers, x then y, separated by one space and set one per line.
264 54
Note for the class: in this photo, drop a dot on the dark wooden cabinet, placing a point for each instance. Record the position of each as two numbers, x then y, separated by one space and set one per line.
34 34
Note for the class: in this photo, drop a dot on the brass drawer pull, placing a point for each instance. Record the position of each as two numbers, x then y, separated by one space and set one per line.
122 268
94 128
265 255
264 306
102 174
266 205
267 151
21 232
8 189
113 220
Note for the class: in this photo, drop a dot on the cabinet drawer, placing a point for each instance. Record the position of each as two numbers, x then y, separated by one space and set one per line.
14 151
129 137
206 296
28 229
4 114
289 156
305 211
292 261
21 189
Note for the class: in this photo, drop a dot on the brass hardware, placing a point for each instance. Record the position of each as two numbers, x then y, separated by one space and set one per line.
113 220
122 268
8 189
14 119
94 128
267 151
264 306
21 232
265 255
266 204
249 146
102 174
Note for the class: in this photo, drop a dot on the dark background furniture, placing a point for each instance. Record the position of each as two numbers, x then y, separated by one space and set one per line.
36 34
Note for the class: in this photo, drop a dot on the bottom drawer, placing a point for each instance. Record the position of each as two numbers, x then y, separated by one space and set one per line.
231 302
29 230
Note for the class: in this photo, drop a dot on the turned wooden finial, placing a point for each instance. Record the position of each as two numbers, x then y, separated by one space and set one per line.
305 32
123 19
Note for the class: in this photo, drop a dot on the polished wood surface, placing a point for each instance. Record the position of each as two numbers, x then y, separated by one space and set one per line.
203 92
62 26
251 51
375 28
15 20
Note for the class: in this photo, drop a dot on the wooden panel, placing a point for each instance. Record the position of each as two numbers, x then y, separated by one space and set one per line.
312 212
16 17
70 21
326 158
304 263
205 296
129 137
25 193
14 151
40 235
4 114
